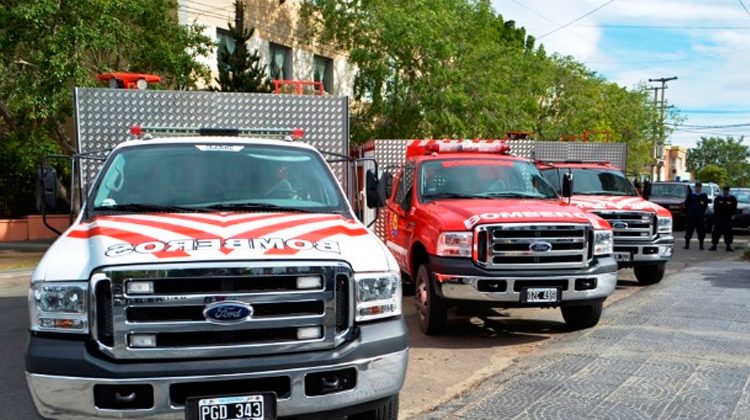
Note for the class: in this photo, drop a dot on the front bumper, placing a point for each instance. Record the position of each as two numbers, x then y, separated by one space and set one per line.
658 251
379 355
465 282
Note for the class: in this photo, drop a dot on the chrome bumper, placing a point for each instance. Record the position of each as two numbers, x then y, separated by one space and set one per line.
658 251
66 397
466 287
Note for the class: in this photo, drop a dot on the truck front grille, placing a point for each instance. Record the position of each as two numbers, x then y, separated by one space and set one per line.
170 314
630 225
533 246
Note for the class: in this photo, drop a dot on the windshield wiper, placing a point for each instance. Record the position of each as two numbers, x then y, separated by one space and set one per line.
141 207
603 193
451 195
513 194
258 206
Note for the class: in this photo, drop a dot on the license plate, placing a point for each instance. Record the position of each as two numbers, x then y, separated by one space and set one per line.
622 256
540 294
242 407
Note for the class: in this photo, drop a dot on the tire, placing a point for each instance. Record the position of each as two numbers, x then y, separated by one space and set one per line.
387 411
432 312
649 274
582 316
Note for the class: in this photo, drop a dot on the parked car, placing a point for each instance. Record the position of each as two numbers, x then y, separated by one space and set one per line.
671 196
741 219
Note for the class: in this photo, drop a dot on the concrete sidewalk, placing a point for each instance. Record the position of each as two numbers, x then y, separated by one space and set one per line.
679 349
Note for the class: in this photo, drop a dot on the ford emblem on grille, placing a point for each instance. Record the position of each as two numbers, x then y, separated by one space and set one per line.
620 225
540 246
228 312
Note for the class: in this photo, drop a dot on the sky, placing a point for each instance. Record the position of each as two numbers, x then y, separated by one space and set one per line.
704 43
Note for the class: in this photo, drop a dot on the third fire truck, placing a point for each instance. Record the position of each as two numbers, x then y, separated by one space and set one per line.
470 223
642 230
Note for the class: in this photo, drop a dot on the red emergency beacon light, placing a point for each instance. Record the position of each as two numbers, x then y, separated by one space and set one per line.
429 146
119 80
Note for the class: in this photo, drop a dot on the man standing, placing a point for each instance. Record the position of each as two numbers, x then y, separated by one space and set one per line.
725 206
696 204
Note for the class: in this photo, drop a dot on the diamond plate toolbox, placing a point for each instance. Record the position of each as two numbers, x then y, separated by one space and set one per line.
104 117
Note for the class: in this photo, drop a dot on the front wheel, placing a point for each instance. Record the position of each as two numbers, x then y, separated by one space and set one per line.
582 316
432 312
649 274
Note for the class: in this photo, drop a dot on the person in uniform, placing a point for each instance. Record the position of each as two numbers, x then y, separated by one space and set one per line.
696 204
725 206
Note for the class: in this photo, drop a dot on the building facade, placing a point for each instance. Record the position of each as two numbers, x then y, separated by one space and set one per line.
280 38
675 164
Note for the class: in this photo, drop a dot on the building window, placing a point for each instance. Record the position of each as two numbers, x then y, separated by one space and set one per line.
280 65
323 72
223 39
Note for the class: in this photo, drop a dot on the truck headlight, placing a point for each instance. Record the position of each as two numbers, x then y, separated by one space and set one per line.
59 307
664 224
454 244
378 295
602 242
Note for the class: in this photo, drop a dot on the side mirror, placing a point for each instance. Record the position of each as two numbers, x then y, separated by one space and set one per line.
46 189
567 184
646 190
373 190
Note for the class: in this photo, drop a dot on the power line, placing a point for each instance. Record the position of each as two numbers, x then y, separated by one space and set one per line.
576 19
615 26
709 127
743 6
712 111
550 20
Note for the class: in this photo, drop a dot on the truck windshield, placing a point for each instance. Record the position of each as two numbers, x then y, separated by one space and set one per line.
481 178
590 181
195 177
669 190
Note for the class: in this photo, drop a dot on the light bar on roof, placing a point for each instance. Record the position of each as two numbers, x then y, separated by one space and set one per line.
282 133
422 147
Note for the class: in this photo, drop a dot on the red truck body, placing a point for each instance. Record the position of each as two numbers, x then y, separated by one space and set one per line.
467 222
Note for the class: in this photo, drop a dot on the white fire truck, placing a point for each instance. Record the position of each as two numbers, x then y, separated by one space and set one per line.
211 276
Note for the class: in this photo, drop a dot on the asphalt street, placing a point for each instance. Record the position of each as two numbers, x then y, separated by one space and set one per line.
680 349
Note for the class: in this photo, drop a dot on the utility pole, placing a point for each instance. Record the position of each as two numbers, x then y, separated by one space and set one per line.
658 139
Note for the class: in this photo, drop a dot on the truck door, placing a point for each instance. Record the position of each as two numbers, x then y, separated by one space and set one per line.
400 223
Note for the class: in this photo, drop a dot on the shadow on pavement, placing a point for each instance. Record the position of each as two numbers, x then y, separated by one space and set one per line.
484 328
732 279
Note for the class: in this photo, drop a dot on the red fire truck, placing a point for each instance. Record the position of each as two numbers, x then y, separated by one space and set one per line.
468 222
642 230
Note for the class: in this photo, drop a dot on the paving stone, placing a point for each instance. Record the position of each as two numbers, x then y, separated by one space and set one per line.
680 349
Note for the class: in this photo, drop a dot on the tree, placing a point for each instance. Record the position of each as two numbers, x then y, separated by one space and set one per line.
727 153
239 70
455 68
48 46
713 173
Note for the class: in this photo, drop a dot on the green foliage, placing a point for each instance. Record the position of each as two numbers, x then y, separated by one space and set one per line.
729 154
242 71
49 46
713 173
455 68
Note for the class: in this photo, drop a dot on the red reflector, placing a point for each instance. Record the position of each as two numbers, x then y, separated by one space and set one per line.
136 130
298 133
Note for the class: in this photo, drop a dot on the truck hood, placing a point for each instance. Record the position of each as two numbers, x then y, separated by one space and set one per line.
465 214
602 202
211 237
